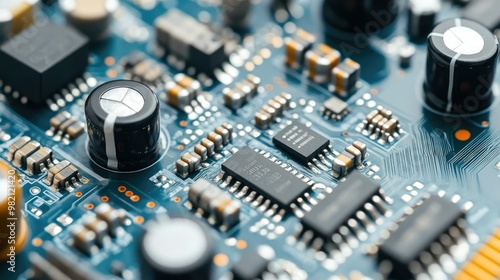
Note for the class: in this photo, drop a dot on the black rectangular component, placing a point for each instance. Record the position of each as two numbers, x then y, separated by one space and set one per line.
339 206
250 266
300 141
42 59
416 233
264 176
484 12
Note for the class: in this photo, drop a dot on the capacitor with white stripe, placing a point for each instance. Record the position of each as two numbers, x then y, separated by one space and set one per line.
461 63
123 125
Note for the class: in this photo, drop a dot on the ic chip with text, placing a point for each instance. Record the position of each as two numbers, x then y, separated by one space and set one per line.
300 141
43 59
265 177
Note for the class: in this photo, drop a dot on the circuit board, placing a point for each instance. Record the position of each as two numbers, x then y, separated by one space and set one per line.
208 139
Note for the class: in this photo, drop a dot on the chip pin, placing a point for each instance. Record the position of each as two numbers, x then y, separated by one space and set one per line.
379 204
311 200
235 187
226 182
353 224
257 201
296 210
264 206
373 213
364 220
306 238
242 192
303 205
250 197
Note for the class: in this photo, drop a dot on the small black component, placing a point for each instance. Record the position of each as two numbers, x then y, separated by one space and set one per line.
422 17
123 124
360 16
189 40
335 109
251 266
346 199
484 12
207 52
461 63
176 249
134 58
42 59
416 233
264 176
300 141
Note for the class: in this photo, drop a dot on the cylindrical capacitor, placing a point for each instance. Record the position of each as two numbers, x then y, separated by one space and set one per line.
461 62
422 17
175 249
236 12
123 125
14 229
360 16
91 17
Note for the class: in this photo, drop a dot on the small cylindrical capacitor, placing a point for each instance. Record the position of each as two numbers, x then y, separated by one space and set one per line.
91 17
236 12
176 249
422 17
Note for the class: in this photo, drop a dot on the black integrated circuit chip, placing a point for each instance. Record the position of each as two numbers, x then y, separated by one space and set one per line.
300 141
339 206
264 176
42 59
250 266
417 232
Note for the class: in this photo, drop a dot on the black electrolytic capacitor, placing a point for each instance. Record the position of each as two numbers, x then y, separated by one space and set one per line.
176 249
461 62
123 125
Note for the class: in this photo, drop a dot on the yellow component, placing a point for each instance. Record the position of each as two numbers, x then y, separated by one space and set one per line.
494 242
17 15
348 162
291 48
477 272
485 263
464 276
14 230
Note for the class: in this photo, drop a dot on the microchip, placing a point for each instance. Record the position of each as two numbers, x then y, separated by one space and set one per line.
251 265
185 37
335 105
417 232
42 59
300 141
339 206
264 176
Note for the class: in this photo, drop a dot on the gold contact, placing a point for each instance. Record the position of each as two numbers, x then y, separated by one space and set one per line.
22 16
485 264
